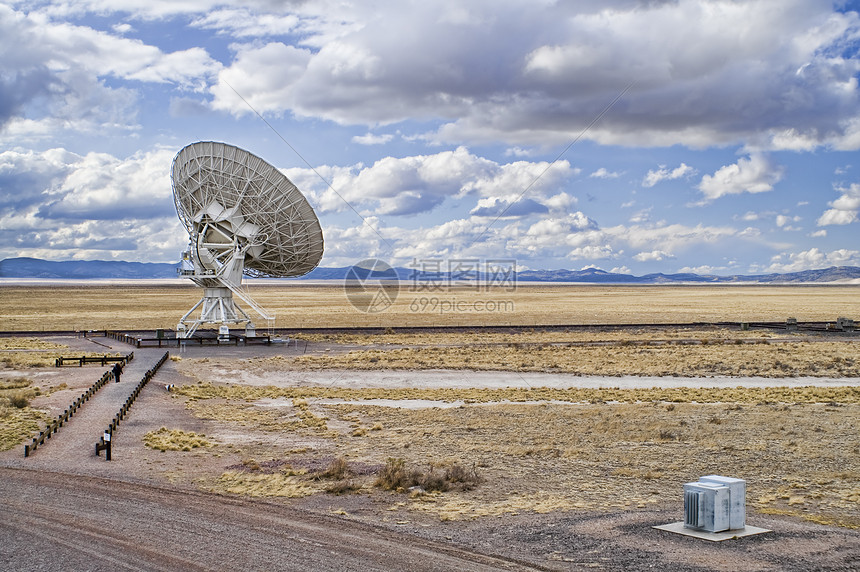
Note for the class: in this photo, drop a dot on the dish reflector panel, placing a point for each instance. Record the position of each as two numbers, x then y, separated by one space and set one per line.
221 190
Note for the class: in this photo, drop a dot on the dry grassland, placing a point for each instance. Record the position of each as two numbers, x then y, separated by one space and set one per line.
165 439
572 450
594 335
17 353
229 402
706 358
17 419
76 307
16 425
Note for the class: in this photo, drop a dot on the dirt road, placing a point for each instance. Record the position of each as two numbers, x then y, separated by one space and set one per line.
54 521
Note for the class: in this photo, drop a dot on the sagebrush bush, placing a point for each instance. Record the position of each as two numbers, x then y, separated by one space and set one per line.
395 476
19 400
338 469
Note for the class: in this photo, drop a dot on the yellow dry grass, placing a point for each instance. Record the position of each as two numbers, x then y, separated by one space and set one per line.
18 424
544 449
17 343
798 459
596 335
818 359
277 484
165 439
234 394
76 307
235 408
17 353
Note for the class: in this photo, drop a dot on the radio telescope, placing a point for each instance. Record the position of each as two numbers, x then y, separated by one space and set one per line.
243 216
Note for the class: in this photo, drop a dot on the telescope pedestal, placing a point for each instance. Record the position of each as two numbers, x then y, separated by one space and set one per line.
218 307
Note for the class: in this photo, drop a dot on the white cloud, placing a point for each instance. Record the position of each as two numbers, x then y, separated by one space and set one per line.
372 139
372 67
558 227
420 183
695 71
782 221
753 175
703 270
845 209
519 152
592 252
663 174
818 234
653 256
642 216
62 205
245 23
603 173
813 259
55 76
837 217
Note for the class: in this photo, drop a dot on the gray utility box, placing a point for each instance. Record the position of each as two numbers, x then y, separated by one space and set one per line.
715 504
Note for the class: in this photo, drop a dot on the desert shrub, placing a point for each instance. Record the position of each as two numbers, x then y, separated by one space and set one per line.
464 479
19 400
432 481
338 469
14 383
667 435
342 487
251 465
395 476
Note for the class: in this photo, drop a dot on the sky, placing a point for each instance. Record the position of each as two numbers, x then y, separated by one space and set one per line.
634 136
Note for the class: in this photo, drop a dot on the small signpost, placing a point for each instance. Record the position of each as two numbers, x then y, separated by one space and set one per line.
104 445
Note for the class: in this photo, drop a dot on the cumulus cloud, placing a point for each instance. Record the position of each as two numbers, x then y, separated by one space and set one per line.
372 139
245 23
784 221
749 175
812 259
603 173
54 74
496 207
419 183
844 210
703 270
591 252
642 216
63 205
361 63
568 63
663 174
653 256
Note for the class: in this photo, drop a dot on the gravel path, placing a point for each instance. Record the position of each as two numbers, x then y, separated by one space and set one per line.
72 448
53 521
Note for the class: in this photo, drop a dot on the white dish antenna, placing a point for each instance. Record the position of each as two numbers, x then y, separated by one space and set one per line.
243 216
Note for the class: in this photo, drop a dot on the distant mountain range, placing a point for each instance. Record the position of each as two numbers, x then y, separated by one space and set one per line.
89 269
